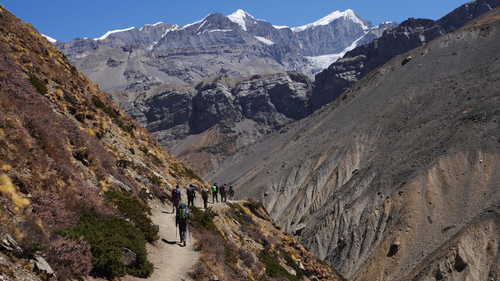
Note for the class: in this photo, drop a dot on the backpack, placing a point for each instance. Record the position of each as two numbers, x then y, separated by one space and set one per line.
204 193
190 192
214 188
177 194
182 212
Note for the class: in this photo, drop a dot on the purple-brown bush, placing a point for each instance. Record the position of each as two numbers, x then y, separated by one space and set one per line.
70 258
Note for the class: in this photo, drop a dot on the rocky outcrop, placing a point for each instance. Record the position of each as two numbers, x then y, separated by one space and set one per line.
356 64
392 180
206 123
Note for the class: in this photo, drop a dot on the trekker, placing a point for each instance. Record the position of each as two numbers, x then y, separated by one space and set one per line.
215 189
231 192
191 195
204 195
223 189
176 198
181 218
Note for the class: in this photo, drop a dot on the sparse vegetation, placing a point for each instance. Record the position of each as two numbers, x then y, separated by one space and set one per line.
203 219
155 180
256 208
38 84
240 215
127 127
111 112
273 268
293 264
184 171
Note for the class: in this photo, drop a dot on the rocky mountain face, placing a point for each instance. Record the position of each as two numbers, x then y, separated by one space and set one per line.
207 123
396 179
239 45
77 177
410 34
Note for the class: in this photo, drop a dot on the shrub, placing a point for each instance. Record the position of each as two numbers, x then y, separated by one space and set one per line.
273 267
199 271
182 170
204 219
111 112
108 236
293 264
155 180
126 127
70 258
230 254
240 215
247 258
136 211
38 84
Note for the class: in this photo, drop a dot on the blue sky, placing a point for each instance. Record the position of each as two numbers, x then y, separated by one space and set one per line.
67 19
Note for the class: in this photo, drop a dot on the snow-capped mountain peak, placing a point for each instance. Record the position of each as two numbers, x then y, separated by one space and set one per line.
347 14
239 17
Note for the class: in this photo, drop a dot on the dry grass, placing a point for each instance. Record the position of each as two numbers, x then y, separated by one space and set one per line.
8 189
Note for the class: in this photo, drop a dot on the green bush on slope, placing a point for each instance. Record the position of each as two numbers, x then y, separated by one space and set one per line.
108 237
136 211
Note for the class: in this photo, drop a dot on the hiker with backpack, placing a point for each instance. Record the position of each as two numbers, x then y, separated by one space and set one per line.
223 189
181 221
231 192
204 196
176 198
215 189
191 194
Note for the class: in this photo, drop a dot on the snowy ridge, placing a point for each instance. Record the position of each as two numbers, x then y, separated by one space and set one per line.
347 14
50 39
324 61
217 30
113 32
155 24
195 23
151 25
239 17
281 26
264 40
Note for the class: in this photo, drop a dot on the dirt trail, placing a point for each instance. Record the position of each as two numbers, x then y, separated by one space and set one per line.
170 260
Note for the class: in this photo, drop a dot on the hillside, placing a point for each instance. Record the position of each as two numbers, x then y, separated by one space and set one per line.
68 158
239 241
82 185
395 180
408 35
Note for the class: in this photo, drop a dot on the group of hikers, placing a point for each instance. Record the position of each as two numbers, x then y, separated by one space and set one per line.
182 210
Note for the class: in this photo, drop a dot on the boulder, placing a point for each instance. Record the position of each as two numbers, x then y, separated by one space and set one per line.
43 266
8 243
128 257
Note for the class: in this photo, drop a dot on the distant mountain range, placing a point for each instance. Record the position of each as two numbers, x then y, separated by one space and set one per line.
240 45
